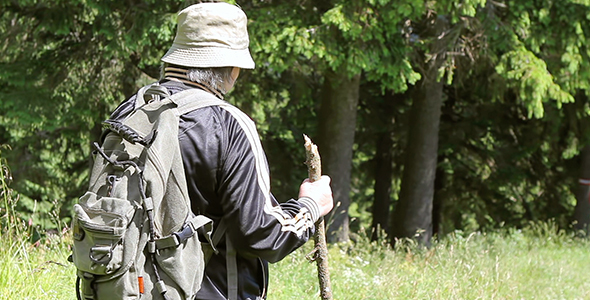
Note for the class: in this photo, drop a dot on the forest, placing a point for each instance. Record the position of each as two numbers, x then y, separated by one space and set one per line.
431 117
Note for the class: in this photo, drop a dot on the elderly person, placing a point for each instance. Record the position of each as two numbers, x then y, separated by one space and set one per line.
225 165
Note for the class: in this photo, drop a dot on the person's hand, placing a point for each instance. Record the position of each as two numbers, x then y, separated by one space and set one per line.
320 192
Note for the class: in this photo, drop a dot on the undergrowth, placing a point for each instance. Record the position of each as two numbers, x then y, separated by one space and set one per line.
30 268
537 262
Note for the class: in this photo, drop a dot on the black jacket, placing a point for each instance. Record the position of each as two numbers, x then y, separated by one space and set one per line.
228 177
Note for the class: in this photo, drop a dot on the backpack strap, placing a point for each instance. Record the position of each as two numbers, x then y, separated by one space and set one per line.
187 101
192 99
232 270
150 92
230 259
191 228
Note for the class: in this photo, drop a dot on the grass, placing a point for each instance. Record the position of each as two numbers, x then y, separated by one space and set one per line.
536 263
35 271
539 262
29 270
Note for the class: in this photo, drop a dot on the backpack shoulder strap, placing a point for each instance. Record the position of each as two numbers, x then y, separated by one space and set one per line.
150 91
187 101
192 99
232 269
231 262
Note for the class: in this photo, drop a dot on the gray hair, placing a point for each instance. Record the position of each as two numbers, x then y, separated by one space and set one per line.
212 77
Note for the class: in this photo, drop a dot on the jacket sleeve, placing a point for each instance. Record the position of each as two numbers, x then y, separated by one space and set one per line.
231 169
258 224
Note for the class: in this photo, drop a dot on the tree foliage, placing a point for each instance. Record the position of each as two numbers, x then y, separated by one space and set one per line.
66 65
514 98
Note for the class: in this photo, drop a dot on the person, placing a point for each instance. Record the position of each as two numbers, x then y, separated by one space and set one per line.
225 165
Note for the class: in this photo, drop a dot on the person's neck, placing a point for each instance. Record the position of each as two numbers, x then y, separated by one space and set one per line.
178 74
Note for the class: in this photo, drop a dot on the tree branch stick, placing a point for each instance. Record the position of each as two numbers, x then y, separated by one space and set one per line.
320 252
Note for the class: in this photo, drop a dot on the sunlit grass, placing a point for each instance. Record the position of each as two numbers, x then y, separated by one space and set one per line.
30 270
536 263
36 271
524 264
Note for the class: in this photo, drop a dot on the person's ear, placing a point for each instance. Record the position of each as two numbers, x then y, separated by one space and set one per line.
235 72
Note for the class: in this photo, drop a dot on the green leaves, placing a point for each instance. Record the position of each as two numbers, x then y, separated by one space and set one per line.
533 82
67 64
366 36
511 69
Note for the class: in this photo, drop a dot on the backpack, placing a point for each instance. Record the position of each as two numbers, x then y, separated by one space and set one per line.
135 236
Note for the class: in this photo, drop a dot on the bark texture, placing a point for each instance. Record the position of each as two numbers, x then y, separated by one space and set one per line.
582 209
412 217
320 252
383 184
336 138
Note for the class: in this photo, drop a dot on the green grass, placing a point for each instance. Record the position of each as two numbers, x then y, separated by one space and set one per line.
539 263
35 271
536 263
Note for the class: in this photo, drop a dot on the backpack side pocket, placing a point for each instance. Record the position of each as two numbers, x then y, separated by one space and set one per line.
101 234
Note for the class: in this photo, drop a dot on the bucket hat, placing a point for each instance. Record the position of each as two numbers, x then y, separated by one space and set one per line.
211 35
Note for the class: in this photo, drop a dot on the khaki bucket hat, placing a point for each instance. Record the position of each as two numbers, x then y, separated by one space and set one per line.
211 35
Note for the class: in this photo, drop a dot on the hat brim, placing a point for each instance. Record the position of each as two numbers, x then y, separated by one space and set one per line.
209 57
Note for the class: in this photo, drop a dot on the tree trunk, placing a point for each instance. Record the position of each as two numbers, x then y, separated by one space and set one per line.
384 167
413 215
582 209
383 178
337 124
437 202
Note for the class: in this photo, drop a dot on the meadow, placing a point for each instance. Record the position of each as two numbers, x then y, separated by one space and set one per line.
537 262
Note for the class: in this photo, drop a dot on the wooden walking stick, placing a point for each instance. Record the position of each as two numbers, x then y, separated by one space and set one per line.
320 252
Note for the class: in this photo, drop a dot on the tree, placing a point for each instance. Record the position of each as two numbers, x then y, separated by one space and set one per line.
502 75
439 32
341 40
509 137
337 124
582 209
66 64
383 166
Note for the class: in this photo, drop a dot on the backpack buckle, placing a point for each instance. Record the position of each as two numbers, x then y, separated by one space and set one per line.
184 234
101 254
176 238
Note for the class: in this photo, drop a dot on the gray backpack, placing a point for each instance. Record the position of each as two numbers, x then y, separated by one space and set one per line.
135 236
